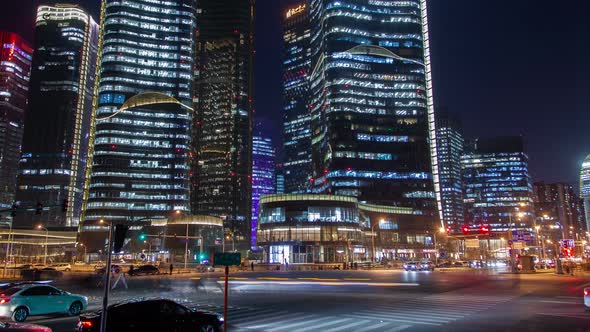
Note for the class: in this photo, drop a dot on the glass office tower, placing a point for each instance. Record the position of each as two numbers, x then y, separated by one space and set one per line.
52 169
450 148
497 186
15 70
297 119
373 129
585 189
141 140
263 175
222 130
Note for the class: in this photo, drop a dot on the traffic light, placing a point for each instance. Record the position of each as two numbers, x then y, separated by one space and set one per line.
120 233
64 205
142 236
485 230
13 210
39 208
465 229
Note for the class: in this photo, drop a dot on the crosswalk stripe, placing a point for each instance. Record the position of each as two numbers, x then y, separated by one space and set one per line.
286 314
347 326
288 327
263 323
254 319
410 316
399 328
333 322
240 314
446 314
373 327
413 321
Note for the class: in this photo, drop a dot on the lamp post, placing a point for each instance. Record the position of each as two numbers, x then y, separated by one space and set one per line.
539 239
46 236
233 244
83 246
149 243
373 253
8 247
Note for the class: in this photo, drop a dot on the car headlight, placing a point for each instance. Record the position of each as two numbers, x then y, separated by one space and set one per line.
220 317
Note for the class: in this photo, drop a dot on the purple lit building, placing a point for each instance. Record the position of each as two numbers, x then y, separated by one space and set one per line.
263 175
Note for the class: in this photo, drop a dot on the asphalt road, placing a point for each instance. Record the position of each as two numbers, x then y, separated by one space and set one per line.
392 301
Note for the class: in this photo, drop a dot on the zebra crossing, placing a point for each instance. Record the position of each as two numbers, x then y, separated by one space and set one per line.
434 310
429 311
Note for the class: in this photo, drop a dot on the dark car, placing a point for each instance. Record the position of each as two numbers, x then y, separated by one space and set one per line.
114 268
144 269
152 315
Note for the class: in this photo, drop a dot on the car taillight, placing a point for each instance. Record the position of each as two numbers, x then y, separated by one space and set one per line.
4 300
586 292
86 324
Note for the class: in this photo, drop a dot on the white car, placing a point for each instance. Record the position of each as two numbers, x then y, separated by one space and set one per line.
62 267
587 296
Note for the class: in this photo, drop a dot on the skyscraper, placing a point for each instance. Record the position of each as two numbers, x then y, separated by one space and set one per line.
450 148
141 140
585 189
561 203
15 71
263 175
222 128
52 169
497 186
372 113
297 166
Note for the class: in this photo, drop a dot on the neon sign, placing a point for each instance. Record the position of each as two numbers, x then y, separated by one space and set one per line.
295 10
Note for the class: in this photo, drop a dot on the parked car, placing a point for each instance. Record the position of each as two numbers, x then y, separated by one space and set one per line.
33 266
62 267
114 268
20 302
50 273
152 315
587 296
144 269
22 327
205 268
79 263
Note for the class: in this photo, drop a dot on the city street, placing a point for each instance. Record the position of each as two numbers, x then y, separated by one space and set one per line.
380 300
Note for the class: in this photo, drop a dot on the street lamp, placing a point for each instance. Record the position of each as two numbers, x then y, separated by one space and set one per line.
233 244
373 238
83 246
149 243
46 236
539 239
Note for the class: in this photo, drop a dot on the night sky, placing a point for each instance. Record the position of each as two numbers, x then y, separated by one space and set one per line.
506 67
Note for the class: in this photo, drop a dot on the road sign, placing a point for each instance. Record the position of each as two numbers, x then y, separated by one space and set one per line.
518 245
218 241
522 236
227 258
471 243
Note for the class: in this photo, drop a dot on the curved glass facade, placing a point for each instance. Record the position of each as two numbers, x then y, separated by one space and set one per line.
306 228
140 154
371 102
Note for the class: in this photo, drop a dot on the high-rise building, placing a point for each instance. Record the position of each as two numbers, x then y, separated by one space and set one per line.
263 175
497 187
297 118
52 169
372 112
222 128
585 189
560 203
279 179
141 138
450 148
15 70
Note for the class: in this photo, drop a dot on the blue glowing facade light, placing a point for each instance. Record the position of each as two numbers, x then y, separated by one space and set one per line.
371 104
263 176
141 139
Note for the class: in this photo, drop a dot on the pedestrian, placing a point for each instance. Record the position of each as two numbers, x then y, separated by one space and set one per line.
252 266
171 268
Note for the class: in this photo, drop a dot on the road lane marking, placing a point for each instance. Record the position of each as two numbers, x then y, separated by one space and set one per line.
353 324
288 327
561 302
427 312
333 322
398 328
410 316
256 320
357 279
322 283
374 327
294 317
271 278
365 316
